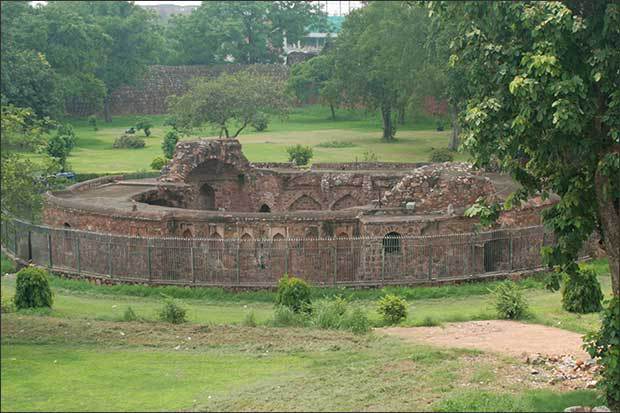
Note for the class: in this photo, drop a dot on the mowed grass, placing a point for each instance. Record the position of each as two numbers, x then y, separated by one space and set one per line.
310 125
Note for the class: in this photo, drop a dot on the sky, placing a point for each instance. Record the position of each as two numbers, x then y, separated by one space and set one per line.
334 7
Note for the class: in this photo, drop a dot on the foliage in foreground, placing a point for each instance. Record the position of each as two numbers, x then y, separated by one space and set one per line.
172 312
605 346
509 301
32 288
441 155
582 293
299 154
294 293
393 309
158 163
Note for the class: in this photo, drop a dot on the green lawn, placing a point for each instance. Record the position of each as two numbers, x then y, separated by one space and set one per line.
309 125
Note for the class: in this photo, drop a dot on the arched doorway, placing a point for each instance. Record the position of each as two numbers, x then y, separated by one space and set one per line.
207 197
391 243
264 208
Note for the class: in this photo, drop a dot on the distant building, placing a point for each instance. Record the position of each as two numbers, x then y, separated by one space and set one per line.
312 43
164 11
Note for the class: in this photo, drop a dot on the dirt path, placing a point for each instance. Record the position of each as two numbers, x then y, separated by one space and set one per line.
507 337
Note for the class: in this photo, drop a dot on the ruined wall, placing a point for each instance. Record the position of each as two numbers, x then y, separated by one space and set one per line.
149 95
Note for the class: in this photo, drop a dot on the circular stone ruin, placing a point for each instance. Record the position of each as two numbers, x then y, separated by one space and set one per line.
241 223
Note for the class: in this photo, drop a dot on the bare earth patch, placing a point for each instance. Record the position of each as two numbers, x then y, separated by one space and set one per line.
507 337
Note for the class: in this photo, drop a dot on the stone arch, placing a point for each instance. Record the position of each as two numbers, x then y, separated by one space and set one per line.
278 237
305 203
344 202
246 242
391 243
264 208
187 233
207 197
66 225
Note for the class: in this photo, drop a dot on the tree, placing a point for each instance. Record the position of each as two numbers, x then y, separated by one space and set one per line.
316 77
134 36
378 57
60 145
247 31
169 143
230 100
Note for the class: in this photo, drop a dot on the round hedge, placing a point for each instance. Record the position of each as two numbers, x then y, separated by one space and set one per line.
32 288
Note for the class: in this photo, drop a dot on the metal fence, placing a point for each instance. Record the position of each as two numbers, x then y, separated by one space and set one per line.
393 259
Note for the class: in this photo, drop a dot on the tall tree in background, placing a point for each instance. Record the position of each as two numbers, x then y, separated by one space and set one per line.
247 31
379 56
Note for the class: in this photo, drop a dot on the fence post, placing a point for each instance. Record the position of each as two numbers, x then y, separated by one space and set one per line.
49 248
382 265
510 251
77 248
430 261
286 258
148 259
29 245
15 241
335 264
191 253
238 261
110 256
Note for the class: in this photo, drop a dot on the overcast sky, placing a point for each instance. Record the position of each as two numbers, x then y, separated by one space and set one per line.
334 7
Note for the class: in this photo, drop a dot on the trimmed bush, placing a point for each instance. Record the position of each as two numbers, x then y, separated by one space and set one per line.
32 288
442 155
172 313
509 301
129 141
582 292
169 143
158 163
604 345
294 293
260 122
392 309
299 154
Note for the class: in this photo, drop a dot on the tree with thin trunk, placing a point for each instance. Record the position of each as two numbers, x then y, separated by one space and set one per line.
229 102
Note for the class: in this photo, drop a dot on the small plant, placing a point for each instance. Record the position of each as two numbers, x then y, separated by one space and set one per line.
286 317
169 143
428 322
441 155
6 305
392 309
440 126
509 301
92 121
144 124
249 320
294 293
582 292
336 144
172 312
129 315
260 121
129 141
328 314
356 321
604 345
299 154
158 163
32 288
369 156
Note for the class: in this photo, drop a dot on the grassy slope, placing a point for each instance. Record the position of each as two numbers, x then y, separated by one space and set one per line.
308 126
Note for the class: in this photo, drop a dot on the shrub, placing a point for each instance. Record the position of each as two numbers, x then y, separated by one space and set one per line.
92 121
356 321
392 309
32 288
509 301
144 124
129 141
428 321
604 345
442 155
129 315
249 320
158 163
293 293
328 314
6 305
440 126
170 142
582 292
286 317
299 154
172 312
260 121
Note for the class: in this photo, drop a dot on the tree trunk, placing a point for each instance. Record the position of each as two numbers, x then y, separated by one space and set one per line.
331 106
609 215
456 129
106 109
386 116
401 115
